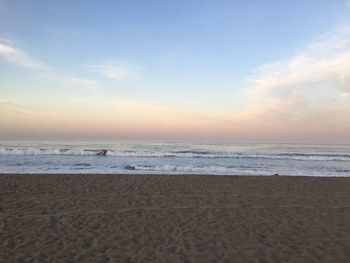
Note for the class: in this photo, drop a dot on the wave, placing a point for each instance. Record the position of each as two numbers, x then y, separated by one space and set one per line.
82 164
180 169
47 151
175 154
190 169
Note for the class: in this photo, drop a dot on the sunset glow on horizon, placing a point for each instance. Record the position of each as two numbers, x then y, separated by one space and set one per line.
219 70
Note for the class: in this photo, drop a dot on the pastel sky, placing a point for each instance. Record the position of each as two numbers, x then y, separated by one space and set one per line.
241 70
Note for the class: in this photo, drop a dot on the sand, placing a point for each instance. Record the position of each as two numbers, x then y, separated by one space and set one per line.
156 218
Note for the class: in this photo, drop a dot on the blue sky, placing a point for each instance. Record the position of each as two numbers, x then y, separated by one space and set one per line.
188 56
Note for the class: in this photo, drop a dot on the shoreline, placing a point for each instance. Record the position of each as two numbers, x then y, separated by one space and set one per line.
174 174
167 218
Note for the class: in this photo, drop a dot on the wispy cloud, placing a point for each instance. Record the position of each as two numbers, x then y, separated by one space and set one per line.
90 85
19 57
304 84
308 92
17 106
324 62
115 72
10 101
78 99
23 59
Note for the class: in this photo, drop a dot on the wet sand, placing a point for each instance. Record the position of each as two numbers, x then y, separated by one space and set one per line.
156 218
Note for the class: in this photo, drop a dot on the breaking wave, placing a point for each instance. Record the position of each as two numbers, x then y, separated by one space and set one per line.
180 169
175 154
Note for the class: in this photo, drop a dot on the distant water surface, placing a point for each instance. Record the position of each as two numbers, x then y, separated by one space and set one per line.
220 158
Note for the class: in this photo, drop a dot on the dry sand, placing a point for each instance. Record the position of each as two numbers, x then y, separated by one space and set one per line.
153 218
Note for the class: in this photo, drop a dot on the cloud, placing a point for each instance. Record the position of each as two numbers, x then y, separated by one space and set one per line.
90 85
324 62
23 59
306 93
19 107
78 99
18 57
320 73
9 101
115 72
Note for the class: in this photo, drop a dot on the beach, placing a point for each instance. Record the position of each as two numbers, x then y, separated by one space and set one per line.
173 218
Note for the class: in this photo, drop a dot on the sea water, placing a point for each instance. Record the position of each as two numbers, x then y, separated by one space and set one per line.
174 157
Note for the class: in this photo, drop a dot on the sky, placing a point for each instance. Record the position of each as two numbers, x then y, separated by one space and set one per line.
274 71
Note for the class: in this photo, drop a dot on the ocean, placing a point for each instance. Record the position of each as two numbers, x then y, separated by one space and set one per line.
174 157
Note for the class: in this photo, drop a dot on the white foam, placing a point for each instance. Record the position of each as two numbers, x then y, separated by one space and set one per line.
189 169
184 154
